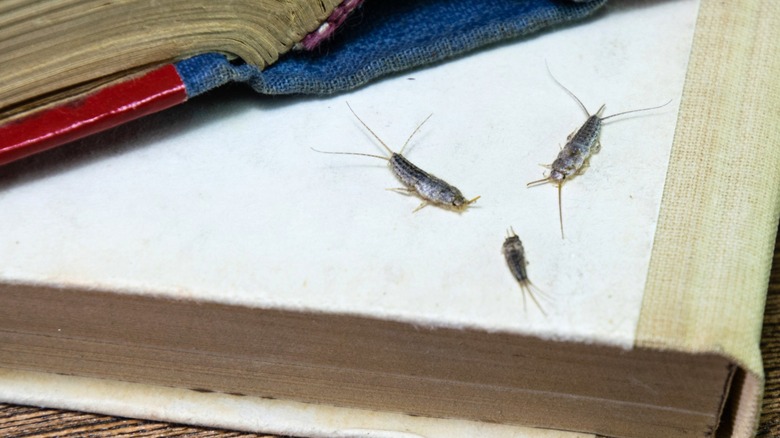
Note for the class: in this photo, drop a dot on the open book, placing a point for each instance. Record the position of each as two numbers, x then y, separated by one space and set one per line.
209 267
75 68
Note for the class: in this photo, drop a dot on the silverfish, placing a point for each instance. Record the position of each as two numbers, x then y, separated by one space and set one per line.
515 259
580 145
431 189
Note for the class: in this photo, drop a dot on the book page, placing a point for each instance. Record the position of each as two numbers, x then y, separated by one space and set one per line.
281 417
223 199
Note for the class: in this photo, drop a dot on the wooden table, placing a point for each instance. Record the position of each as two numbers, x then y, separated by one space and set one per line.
26 421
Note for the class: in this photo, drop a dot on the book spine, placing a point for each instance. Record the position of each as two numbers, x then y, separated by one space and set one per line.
103 109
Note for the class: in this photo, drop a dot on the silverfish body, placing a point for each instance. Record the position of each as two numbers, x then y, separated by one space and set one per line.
431 189
579 147
427 186
515 259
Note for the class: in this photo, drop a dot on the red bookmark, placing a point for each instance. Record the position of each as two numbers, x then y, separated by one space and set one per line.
108 107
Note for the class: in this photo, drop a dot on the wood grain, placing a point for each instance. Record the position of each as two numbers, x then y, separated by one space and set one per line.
770 351
23 421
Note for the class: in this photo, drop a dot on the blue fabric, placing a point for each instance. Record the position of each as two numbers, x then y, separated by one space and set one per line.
385 37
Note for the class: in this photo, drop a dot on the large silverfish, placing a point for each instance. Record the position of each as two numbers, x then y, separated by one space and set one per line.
580 145
431 189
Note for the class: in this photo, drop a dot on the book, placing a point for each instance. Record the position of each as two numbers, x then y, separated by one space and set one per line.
123 58
63 48
245 281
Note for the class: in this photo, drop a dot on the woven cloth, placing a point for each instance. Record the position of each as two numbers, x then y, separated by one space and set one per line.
387 37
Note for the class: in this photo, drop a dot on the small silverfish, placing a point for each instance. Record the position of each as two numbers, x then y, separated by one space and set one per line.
515 259
431 189
580 145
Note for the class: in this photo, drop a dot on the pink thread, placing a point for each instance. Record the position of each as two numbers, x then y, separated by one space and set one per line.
326 29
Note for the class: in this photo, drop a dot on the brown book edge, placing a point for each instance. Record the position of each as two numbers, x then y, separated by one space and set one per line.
711 257
352 361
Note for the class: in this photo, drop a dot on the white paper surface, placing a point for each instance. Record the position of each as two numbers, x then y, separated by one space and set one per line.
243 413
222 199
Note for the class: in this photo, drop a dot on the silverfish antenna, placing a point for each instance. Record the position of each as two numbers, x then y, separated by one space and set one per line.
636 110
369 129
587 114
